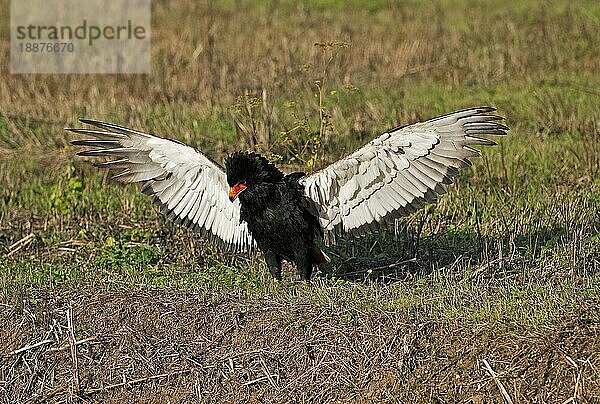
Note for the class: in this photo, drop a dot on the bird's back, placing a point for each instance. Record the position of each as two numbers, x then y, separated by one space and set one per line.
285 220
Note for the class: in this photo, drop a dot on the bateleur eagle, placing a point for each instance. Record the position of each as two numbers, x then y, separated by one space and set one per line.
250 203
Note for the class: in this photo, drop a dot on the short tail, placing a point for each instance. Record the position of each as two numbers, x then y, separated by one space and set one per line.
319 256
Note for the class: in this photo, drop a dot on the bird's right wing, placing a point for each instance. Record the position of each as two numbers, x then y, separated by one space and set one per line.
191 189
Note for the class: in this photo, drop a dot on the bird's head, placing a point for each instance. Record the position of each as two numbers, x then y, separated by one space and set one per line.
249 171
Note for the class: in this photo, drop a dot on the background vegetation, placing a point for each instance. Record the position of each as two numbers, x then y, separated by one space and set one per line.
491 295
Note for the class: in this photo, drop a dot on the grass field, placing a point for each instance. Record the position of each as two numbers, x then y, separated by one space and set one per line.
492 295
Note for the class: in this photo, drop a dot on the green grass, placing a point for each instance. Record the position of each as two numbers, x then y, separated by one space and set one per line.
534 259
537 198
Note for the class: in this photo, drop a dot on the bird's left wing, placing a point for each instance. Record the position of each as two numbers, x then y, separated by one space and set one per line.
398 172
191 188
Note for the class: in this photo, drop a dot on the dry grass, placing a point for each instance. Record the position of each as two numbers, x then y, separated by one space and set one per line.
204 56
159 346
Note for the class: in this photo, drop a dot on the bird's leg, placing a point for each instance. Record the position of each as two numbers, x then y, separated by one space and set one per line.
304 265
273 263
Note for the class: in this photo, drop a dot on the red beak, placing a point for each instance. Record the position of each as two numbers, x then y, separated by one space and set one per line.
235 190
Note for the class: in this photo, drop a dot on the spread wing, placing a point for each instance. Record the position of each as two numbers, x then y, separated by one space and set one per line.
398 172
190 188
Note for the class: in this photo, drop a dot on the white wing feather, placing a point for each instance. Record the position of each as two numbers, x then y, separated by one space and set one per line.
398 172
191 189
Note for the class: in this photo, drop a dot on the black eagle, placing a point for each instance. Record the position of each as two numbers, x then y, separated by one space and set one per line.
250 203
